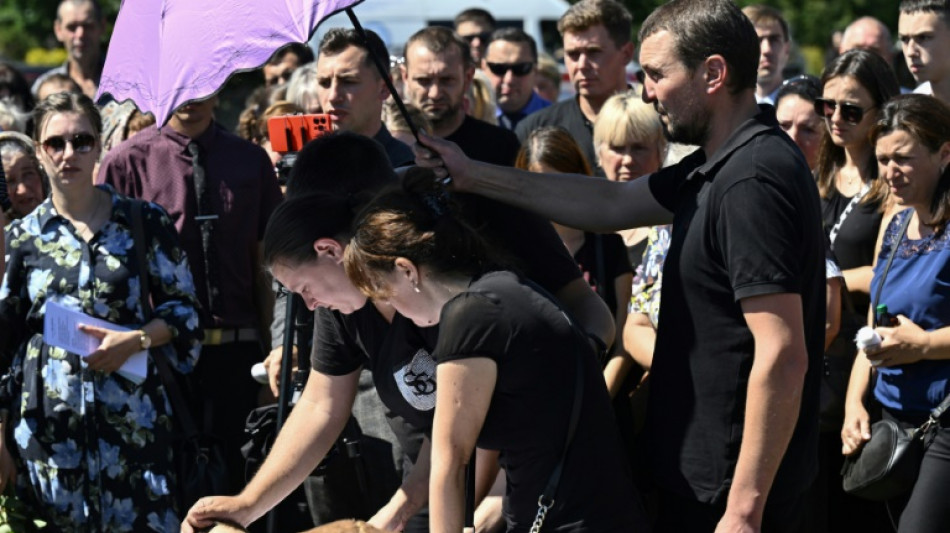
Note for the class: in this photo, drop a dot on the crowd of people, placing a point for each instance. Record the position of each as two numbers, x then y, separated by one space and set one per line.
630 308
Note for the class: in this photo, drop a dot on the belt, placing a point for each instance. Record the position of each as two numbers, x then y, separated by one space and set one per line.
214 337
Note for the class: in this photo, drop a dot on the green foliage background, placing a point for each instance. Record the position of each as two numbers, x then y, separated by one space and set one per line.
28 25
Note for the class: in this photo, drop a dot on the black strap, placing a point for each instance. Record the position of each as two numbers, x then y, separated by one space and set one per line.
470 474
175 396
600 267
887 267
551 489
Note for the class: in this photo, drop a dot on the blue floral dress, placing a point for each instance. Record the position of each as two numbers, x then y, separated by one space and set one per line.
93 451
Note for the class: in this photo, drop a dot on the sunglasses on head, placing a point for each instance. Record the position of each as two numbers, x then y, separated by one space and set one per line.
483 37
851 113
81 142
518 69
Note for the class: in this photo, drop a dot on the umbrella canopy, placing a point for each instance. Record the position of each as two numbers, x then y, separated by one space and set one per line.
166 53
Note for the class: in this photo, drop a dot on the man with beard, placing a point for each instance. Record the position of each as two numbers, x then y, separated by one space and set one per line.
733 409
774 46
438 71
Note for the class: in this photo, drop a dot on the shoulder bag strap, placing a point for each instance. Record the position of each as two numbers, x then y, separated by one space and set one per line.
833 235
164 371
887 267
546 501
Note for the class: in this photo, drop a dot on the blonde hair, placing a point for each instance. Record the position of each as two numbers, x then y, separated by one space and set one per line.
395 121
481 99
625 118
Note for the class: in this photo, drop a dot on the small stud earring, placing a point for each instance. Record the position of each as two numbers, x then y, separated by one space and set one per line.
415 287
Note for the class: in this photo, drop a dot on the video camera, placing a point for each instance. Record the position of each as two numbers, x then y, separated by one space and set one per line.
289 133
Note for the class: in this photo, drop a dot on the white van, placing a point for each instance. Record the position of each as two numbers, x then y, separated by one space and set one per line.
396 20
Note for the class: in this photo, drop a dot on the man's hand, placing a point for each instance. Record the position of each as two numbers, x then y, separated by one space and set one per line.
444 158
114 349
206 511
736 524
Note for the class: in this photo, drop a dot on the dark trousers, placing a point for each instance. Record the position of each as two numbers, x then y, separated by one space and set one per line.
223 379
679 514
926 509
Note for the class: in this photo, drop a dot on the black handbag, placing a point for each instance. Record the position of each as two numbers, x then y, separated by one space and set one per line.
198 460
888 464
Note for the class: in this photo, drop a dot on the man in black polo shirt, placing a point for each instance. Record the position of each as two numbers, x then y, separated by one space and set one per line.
438 71
733 410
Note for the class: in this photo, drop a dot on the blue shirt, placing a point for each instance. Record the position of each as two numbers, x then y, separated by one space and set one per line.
510 120
918 287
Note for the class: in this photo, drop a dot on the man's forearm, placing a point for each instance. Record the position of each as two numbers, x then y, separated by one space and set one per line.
772 406
576 201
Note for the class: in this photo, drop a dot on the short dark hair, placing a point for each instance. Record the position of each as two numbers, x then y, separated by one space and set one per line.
336 40
439 39
518 36
303 52
803 86
701 28
763 14
927 119
96 7
940 7
476 15
13 82
341 162
612 15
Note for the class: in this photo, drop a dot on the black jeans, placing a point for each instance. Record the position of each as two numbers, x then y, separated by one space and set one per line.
925 509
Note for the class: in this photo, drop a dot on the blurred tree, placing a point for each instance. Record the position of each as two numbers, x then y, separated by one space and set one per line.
28 24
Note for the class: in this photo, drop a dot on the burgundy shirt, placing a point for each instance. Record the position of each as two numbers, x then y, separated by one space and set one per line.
155 165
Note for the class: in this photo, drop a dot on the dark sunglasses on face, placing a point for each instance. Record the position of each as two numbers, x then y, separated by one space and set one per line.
82 143
851 113
518 69
483 37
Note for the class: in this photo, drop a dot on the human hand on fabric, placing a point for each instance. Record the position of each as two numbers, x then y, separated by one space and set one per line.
446 160
900 345
856 429
114 349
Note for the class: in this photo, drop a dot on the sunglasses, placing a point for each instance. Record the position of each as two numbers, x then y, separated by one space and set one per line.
82 143
483 37
851 113
518 69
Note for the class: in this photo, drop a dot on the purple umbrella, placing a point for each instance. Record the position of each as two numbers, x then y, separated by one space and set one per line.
165 53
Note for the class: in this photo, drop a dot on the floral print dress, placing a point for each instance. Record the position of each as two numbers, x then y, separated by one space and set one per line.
93 451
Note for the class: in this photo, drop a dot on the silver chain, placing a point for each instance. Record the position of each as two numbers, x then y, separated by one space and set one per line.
542 513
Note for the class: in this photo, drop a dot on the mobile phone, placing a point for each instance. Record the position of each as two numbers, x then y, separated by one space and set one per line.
288 133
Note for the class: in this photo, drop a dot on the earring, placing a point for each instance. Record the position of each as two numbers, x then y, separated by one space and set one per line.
415 287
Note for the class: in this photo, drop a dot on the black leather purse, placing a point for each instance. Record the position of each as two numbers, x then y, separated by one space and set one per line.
199 463
887 465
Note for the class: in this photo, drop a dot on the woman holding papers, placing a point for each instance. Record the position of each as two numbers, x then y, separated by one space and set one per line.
87 447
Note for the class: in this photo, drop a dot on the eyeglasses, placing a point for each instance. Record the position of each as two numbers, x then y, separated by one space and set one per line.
518 69
82 143
851 113
483 37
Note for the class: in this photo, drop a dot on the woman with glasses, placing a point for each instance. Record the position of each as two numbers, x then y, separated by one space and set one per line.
854 88
91 442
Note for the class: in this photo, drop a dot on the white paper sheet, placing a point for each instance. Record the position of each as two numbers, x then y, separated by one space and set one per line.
61 329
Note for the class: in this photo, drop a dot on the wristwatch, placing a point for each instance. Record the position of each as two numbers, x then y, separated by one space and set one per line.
144 339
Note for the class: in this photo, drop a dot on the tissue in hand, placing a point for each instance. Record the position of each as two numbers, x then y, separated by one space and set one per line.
867 338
